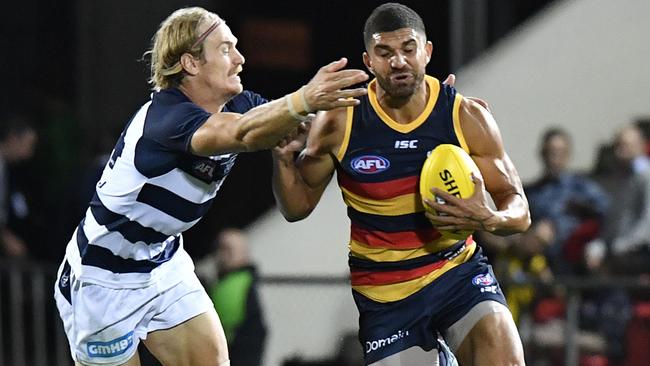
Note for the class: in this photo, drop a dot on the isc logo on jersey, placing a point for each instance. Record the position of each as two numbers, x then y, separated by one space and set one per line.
406 144
369 164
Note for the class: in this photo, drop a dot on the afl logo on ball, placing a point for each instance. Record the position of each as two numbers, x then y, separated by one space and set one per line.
369 164
483 280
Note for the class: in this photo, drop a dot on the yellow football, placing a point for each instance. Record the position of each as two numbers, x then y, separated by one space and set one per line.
449 168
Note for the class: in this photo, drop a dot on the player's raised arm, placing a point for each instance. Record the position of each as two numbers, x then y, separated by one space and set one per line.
298 185
500 179
263 126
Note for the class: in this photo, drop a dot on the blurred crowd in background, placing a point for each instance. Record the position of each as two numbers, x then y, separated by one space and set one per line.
592 224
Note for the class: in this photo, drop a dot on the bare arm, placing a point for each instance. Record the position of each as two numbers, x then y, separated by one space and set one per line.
298 186
295 199
263 126
500 179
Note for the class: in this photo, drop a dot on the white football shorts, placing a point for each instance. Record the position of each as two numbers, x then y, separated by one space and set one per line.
105 325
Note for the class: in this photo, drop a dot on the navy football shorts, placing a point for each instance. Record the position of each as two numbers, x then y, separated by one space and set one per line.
389 328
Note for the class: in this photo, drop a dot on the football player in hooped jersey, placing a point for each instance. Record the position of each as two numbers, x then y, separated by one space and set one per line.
126 276
408 282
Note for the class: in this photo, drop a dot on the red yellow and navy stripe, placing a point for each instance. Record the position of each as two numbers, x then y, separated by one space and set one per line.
410 222
393 285
390 198
410 239
381 190
375 278
392 254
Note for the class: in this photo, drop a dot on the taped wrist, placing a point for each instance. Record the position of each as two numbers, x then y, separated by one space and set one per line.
297 105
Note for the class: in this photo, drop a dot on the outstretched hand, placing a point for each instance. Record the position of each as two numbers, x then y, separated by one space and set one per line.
326 90
451 80
473 213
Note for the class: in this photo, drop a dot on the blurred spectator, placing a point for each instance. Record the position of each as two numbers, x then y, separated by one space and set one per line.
623 247
625 239
236 299
567 210
17 142
566 199
630 148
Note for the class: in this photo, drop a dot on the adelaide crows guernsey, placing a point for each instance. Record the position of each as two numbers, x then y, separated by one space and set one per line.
394 249
151 190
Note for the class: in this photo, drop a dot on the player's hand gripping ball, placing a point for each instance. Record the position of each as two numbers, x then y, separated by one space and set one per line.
448 168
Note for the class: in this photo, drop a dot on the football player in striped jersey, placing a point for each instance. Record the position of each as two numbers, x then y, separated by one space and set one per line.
409 282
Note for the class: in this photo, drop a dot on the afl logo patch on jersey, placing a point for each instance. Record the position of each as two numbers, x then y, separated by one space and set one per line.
369 164
483 280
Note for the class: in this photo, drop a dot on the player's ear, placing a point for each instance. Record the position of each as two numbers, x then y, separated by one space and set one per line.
428 47
189 64
368 63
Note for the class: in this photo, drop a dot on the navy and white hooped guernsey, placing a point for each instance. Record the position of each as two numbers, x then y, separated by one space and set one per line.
151 190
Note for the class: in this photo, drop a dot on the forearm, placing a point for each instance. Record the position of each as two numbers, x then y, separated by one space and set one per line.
512 215
295 199
263 126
